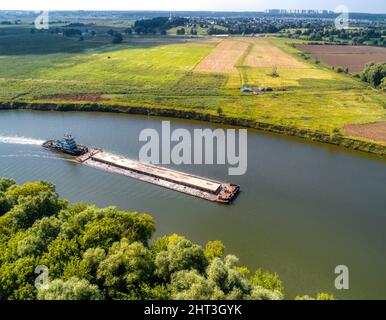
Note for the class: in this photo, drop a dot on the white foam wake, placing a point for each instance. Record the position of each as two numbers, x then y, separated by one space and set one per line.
36 156
20 140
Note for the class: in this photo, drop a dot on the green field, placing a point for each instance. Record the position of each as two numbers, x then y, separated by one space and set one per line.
159 72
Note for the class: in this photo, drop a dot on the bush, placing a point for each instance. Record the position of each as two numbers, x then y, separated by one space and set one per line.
274 73
339 69
72 289
267 280
375 74
117 38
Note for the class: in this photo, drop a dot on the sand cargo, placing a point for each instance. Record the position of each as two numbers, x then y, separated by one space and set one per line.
182 182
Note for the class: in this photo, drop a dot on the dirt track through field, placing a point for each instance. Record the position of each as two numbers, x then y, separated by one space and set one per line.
262 55
266 55
224 57
373 131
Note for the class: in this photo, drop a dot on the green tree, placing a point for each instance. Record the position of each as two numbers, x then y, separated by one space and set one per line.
221 281
374 74
31 208
383 84
214 249
270 281
117 38
5 203
60 252
5 184
89 265
179 255
339 69
320 296
126 266
181 31
37 238
72 289
17 279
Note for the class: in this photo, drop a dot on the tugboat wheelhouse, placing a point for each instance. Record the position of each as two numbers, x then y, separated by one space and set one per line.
67 145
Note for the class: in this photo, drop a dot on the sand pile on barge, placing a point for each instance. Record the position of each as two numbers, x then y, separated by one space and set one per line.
171 179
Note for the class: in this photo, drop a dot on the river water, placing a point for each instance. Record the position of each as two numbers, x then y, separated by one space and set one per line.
304 209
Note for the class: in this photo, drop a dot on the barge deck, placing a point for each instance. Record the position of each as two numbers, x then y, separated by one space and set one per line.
182 182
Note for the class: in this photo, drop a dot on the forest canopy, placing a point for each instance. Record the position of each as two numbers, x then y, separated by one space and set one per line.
93 254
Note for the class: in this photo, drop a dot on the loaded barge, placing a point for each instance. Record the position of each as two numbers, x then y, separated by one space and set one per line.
171 179
182 182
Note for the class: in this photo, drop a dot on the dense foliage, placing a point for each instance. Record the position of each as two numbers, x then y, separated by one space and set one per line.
360 35
375 74
157 25
96 253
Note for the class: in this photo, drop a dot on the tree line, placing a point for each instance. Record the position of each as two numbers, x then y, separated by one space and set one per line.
158 25
356 36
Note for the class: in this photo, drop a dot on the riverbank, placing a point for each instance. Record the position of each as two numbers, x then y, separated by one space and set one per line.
335 138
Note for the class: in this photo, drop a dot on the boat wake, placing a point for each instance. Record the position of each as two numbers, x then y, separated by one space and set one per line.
39 156
20 140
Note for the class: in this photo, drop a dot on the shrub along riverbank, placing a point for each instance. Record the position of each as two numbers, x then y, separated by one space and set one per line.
335 138
86 253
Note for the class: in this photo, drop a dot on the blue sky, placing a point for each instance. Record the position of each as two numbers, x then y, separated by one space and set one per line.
376 6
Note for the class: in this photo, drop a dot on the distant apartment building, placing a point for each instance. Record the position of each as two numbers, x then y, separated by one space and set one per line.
297 11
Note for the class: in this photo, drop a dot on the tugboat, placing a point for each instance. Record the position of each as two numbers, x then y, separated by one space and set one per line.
66 145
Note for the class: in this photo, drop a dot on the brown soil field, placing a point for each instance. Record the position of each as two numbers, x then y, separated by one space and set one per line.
373 131
352 57
320 48
266 55
224 57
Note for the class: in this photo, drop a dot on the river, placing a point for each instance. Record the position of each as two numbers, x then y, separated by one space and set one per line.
304 209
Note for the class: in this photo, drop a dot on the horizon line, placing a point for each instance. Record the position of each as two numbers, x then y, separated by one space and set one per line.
188 10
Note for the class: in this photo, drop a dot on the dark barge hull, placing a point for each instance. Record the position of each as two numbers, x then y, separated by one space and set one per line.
52 145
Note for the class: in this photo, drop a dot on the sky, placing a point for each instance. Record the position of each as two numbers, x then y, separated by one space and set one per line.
373 6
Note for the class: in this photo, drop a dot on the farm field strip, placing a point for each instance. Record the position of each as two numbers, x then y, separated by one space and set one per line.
372 131
317 48
224 57
265 55
352 57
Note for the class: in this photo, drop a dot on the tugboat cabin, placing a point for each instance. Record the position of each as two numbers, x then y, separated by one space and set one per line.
68 142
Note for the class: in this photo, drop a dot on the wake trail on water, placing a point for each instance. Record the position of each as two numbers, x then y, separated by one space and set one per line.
21 140
36 156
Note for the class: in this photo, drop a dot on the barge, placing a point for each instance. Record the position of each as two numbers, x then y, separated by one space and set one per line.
182 182
66 145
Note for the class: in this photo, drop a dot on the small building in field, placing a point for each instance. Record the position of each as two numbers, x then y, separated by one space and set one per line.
246 90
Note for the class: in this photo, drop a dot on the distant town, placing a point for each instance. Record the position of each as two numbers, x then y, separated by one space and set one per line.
297 11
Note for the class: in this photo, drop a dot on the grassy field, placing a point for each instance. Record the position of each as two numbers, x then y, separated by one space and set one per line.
164 72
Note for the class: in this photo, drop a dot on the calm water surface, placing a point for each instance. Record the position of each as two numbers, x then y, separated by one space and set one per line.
304 208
